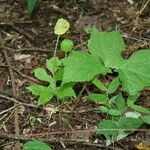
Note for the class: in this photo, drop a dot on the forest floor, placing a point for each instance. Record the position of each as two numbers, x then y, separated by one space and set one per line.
26 42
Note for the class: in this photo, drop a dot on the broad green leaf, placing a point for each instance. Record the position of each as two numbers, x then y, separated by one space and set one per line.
120 102
98 98
61 27
114 112
107 128
134 114
53 64
107 46
103 109
99 84
45 94
36 145
31 5
82 66
134 73
129 124
41 74
146 119
113 86
65 91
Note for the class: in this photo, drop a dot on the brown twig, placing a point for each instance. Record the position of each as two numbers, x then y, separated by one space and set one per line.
21 74
34 49
55 140
16 120
17 101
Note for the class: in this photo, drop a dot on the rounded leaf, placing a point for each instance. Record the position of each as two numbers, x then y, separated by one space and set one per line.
61 27
66 45
36 145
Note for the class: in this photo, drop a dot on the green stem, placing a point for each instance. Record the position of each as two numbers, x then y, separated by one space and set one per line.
56 46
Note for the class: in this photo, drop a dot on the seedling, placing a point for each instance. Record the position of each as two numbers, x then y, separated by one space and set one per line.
54 75
104 57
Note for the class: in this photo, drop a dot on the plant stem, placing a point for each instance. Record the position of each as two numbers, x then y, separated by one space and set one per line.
56 46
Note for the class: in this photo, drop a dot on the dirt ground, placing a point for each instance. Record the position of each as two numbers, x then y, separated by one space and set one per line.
26 42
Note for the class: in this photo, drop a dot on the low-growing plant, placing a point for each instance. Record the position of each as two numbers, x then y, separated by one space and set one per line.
120 123
104 56
53 73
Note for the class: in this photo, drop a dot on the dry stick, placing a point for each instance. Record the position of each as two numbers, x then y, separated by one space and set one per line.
17 102
54 140
33 49
142 9
16 121
21 74
6 110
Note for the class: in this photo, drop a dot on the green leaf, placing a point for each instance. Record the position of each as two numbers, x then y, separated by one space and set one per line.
99 84
103 109
113 86
146 119
45 94
36 145
114 112
98 98
61 27
134 73
81 66
130 102
105 125
120 102
31 5
107 46
41 74
53 64
129 124
65 91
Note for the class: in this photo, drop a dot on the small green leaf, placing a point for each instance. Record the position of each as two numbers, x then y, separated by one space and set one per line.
113 86
61 27
65 91
99 84
130 102
98 98
31 5
82 66
120 102
114 112
45 94
146 119
103 109
66 45
41 74
36 145
105 125
53 64
129 124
